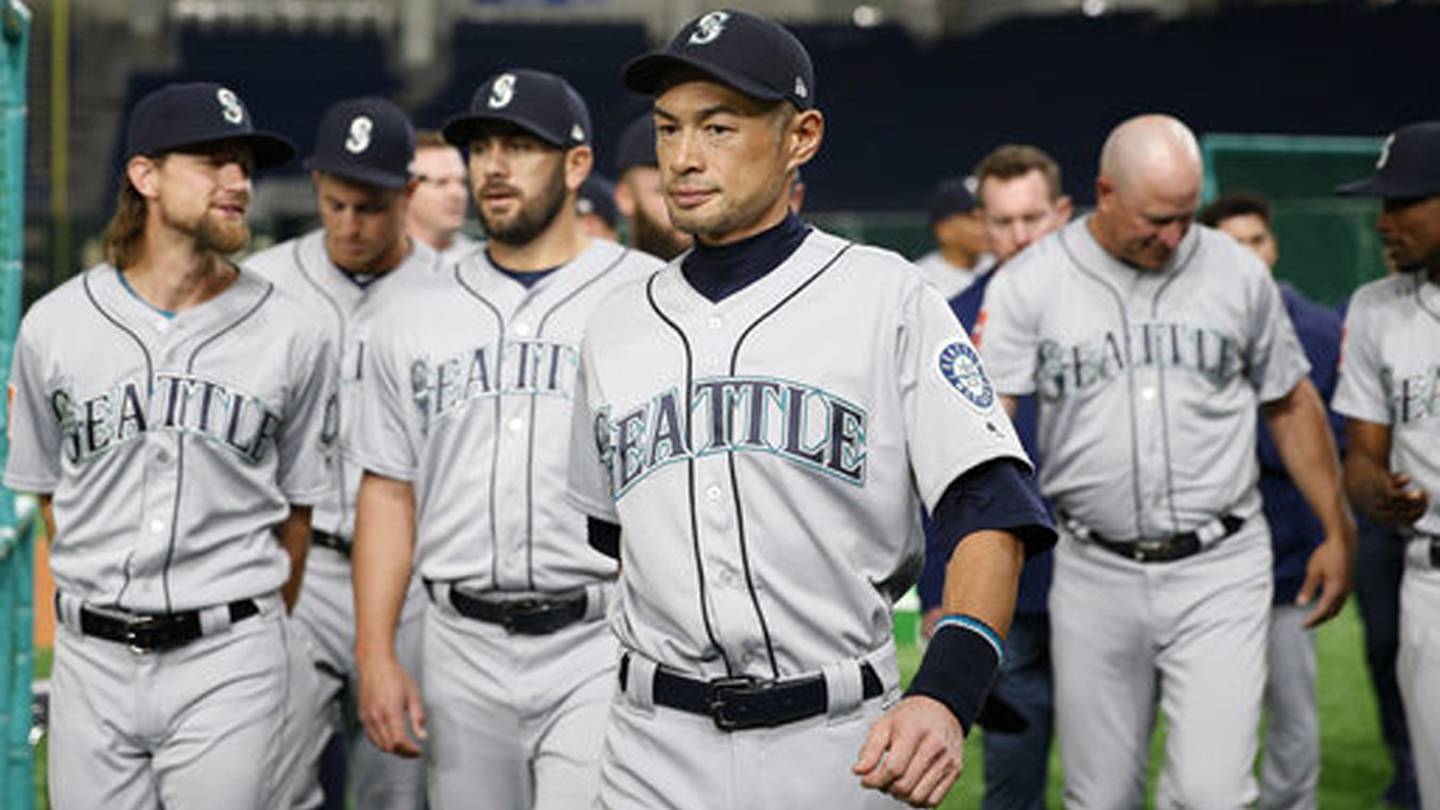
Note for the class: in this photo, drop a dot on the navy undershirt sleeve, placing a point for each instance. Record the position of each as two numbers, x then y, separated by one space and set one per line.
603 536
998 494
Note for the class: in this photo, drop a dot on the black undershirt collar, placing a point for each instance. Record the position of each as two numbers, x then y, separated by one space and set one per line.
719 272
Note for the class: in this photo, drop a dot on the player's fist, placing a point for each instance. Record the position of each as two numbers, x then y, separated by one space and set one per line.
915 752
1396 501
390 707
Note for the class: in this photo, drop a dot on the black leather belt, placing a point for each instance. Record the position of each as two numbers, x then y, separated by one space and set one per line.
334 542
527 616
1166 549
155 632
744 702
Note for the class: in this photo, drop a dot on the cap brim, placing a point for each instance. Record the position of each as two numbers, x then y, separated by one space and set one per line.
461 129
645 74
1389 187
360 174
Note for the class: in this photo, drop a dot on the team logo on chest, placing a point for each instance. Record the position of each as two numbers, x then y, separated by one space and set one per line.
960 366
441 387
792 421
180 403
1413 397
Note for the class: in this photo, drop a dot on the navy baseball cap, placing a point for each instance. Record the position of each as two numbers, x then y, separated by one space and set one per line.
179 116
597 196
540 103
754 55
637 145
369 140
951 197
1409 165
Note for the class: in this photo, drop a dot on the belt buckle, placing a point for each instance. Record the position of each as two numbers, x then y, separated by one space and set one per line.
136 632
1144 550
720 688
528 609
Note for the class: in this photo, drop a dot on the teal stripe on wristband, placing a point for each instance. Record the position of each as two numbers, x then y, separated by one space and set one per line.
976 626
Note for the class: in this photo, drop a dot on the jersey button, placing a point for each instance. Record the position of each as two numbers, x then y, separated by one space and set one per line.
715 322
162 457
157 525
713 494
522 329
517 424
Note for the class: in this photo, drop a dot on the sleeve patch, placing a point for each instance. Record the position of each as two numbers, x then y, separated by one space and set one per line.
960 366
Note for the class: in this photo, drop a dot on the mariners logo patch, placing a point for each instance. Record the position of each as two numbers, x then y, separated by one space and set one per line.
960 365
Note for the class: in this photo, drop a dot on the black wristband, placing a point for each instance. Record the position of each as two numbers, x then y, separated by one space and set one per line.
958 670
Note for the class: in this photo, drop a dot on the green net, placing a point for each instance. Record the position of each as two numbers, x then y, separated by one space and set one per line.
17 790
1328 245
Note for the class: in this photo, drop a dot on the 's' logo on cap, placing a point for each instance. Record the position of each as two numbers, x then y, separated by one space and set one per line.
359 140
801 91
577 134
502 91
709 28
230 108
1385 151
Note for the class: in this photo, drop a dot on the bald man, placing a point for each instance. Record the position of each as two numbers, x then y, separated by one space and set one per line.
1151 344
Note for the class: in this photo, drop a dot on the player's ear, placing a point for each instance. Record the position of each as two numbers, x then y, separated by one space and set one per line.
410 186
143 173
625 199
577 166
1065 208
803 137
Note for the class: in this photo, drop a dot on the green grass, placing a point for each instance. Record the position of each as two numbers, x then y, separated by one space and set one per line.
1353 769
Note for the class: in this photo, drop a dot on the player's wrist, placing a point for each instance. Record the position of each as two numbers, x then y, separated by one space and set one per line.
959 667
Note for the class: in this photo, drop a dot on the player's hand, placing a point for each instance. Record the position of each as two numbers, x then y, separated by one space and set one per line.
1328 575
915 752
1393 500
389 700
928 621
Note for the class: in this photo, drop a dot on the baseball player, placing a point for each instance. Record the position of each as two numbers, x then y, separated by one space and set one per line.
1151 345
1290 763
639 196
963 252
758 426
341 273
464 438
1021 200
173 412
1389 390
436 210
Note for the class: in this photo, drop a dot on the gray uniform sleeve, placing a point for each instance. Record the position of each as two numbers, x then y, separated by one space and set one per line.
34 462
1006 336
1360 392
1277 361
953 419
589 478
380 437
307 439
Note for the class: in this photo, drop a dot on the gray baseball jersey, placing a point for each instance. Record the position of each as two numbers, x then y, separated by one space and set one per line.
767 455
303 269
467 395
325 613
1147 382
1390 375
172 446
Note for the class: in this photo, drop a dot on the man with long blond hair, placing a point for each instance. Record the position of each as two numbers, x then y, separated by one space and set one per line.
172 411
